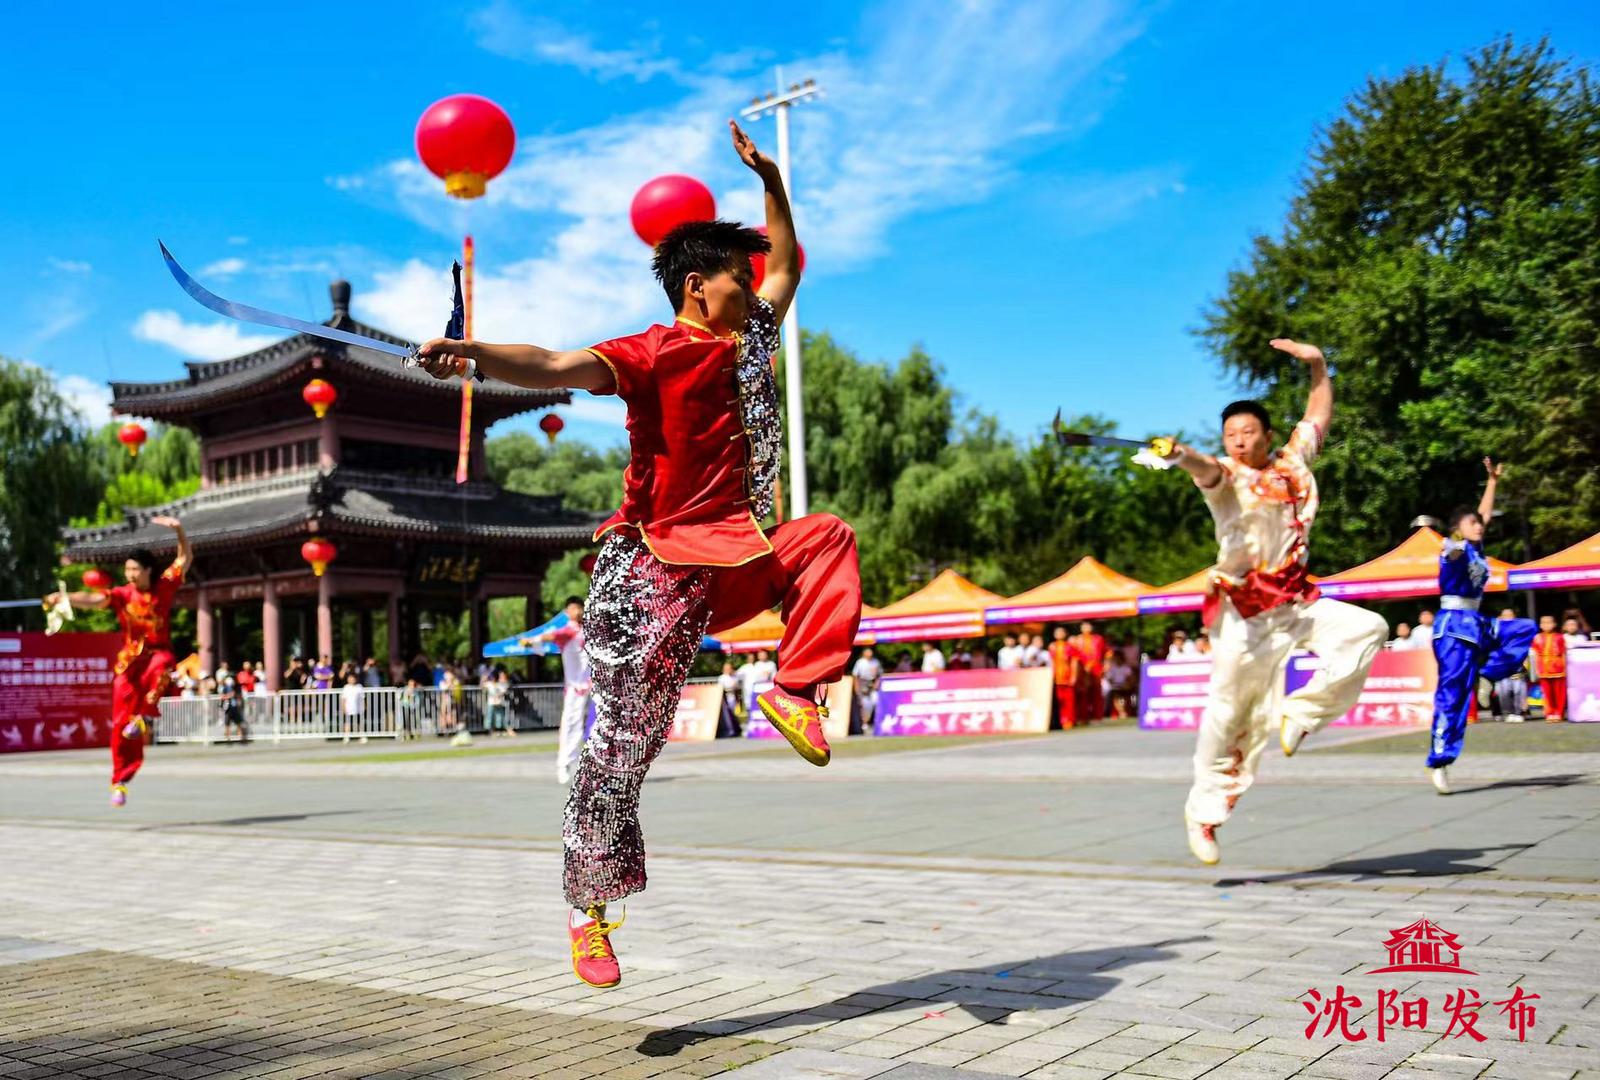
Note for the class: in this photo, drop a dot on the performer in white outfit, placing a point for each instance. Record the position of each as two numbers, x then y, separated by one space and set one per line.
576 673
1263 605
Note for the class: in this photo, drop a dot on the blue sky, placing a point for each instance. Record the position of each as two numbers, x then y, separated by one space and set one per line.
1044 196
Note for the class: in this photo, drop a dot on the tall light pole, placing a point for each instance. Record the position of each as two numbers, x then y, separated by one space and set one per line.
778 104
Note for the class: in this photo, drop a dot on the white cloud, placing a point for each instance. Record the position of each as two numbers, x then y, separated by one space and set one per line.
935 112
505 31
199 341
238 240
223 267
1089 204
69 266
90 399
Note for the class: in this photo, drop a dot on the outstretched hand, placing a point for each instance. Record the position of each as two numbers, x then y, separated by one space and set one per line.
745 147
1306 354
1492 468
440 357
166 521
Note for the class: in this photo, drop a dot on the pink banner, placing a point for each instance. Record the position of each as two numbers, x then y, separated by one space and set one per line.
983 702
836 726
1398 692
1583 684
696 719
55 691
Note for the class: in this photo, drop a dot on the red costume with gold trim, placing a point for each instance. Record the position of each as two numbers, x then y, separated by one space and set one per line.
1066 665
1550 665
142 666
1093 650
684 554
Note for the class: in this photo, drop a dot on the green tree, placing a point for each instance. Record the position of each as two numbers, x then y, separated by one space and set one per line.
51 473
1444 245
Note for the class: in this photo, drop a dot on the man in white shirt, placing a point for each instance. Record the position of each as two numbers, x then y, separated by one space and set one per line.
867 673
1403 641
1011 654
932 659
1422 633
577 676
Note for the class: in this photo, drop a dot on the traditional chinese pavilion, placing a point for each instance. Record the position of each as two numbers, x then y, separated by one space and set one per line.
374 477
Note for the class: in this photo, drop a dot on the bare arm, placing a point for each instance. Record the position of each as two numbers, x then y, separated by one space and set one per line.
1319 402
520 365
1486 504
1203 467
185 554
79 600
783 262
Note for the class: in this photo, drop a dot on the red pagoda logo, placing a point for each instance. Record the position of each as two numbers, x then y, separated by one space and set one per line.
1423 946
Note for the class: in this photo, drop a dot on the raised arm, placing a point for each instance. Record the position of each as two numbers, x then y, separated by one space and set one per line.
1486 504
1319 402
520 365
185 555
783 261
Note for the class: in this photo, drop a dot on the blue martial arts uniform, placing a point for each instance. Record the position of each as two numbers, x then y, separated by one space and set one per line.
1468 645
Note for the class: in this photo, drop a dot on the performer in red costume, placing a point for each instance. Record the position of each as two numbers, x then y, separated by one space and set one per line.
1092 647
144 607
686 552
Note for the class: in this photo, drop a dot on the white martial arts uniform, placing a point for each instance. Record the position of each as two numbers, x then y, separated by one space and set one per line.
577 675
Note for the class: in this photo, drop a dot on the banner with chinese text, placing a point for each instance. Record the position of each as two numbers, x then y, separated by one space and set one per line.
1583 684
836 726
982 702
1398 692
55 691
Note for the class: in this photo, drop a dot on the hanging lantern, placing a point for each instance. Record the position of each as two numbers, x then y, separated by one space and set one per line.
132 436
551 425
758 263
466 141
319 394
667 202
319 553
96 579
586 564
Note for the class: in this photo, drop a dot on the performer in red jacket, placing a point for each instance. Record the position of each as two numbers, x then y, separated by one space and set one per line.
1550 668
686 552
144 608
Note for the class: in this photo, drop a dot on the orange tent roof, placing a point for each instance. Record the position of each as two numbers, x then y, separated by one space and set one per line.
949 606
1575 567
766 630
1185 594
1411 569
1090 588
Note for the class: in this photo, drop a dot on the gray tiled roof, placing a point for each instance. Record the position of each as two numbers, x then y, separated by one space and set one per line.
344 502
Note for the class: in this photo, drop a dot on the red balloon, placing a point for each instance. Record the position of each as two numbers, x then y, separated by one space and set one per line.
758 263
96 579
667 202
465 140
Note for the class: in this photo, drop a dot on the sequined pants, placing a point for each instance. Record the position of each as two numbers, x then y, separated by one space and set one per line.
644 621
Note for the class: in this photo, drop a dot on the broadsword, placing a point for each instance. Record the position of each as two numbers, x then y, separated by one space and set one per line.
247 313
1161 445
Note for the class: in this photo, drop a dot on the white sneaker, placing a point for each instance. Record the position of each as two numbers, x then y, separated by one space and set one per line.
1441 782
1203 841
1514 718
562 778
1290 736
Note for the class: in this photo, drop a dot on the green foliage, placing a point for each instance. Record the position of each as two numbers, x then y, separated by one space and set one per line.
1445 246
167 468
51 473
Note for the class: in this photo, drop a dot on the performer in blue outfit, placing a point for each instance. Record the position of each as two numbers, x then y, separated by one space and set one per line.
1467 644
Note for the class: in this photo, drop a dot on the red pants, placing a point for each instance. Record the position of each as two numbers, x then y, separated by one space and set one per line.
1555 698
135 692
1091 703
1066 704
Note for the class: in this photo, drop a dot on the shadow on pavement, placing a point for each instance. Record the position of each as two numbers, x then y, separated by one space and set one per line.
982 992
1435 862
263 819
1558 781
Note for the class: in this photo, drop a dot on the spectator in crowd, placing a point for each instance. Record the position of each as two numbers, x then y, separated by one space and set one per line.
755 676
731 716
1202 642
1119 683
449 716
1066 669
1092 649
1181 648
350 705
232 704
905 665
371 676
246 678
1011 654
1035 654
295 675
410 709
961 659
1574 627
421 671
322 674
1403 640
867 673
1422 632
1511 692
932 659
188 685
496 696
1549 656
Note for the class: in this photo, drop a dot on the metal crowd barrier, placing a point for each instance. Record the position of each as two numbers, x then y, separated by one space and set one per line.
380 713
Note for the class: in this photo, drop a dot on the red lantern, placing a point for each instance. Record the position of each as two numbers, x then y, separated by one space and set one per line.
551 425
96 579
319 553
132 436
319 394
758 263
667 202
465 140
586 564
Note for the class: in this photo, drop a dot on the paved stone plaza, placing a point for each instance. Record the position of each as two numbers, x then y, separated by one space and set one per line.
1013 907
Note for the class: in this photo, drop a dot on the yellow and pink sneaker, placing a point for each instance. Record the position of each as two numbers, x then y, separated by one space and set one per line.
593 959
799 720
119 794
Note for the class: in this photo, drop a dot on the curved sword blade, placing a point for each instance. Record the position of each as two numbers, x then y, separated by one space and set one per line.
245 313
